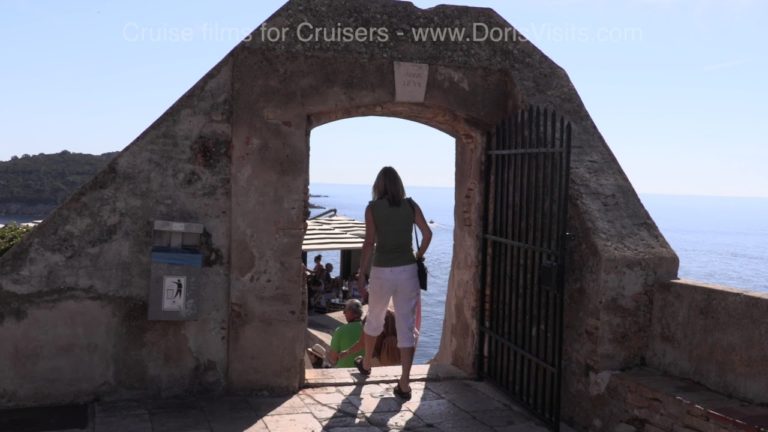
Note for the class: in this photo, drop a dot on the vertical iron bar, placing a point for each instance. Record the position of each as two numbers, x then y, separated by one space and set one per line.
500 232
492 342
541 132
529 256
535 223
550 230
493 360
514 249
514 209
514 276
561 268
558 161
530 127
543 257
505 262
509 307
520 305
532 263
501 356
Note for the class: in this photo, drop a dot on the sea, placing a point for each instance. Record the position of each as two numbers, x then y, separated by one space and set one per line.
719 240
10 219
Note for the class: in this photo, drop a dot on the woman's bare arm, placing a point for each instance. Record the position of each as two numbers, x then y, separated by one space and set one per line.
426 231
367 252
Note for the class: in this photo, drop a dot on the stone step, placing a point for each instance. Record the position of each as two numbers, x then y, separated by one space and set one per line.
384 374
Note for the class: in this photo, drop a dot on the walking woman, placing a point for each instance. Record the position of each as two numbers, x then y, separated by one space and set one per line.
389 220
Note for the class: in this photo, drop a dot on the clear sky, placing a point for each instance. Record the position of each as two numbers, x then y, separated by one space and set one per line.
677 87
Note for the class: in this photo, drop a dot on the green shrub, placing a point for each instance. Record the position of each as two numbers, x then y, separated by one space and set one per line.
10 235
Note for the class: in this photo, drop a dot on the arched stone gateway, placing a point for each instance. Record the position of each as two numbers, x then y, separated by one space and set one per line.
232 154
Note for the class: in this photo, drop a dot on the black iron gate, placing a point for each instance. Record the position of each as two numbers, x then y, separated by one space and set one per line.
527 165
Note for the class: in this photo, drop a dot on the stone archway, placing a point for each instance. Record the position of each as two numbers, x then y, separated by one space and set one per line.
281 89
449 106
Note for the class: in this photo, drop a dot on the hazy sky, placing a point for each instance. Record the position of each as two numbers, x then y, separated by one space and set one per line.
677 87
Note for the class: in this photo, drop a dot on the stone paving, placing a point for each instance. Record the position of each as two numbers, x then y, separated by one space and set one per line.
444 399
460 405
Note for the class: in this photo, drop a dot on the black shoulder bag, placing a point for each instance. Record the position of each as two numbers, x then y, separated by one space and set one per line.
421 268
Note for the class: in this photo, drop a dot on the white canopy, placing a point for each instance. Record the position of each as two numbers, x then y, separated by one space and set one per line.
333 233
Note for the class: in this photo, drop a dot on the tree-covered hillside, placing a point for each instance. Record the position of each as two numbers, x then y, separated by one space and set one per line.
37 184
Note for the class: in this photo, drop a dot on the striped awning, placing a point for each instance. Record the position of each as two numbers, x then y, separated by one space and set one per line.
333 233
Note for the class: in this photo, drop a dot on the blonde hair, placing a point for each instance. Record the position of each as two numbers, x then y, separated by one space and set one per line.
388 185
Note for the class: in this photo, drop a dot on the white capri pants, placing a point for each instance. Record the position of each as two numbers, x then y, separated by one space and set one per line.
402 285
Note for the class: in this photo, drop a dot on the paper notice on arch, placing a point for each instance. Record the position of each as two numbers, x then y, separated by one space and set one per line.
410 81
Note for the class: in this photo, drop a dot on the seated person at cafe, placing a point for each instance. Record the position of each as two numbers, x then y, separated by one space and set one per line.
332 284
346 335
316 292
319 270
354 290
385 352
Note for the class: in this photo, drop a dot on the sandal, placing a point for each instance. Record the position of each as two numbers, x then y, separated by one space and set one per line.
359 365
401 394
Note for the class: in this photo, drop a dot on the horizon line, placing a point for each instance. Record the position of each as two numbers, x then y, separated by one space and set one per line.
666 194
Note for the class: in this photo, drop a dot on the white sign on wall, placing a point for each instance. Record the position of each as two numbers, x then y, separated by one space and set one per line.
174 292
410 81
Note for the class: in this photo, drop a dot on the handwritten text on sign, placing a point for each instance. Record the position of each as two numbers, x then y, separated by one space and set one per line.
410 81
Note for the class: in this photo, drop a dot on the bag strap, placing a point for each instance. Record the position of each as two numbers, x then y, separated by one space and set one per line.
413 208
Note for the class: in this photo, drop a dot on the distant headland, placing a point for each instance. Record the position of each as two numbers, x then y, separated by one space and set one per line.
34 185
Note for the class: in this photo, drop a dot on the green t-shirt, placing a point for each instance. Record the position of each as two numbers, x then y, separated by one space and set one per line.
394 226
343 338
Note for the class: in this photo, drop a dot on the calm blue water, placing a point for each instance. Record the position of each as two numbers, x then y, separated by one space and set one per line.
719 240
4 220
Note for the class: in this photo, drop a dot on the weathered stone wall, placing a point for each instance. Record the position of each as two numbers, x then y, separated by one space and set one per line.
73 294
581 321
712 335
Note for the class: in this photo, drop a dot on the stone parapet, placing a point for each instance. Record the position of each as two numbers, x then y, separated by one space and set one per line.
644 399
713 335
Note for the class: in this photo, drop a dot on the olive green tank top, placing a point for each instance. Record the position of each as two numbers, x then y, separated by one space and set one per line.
393 234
